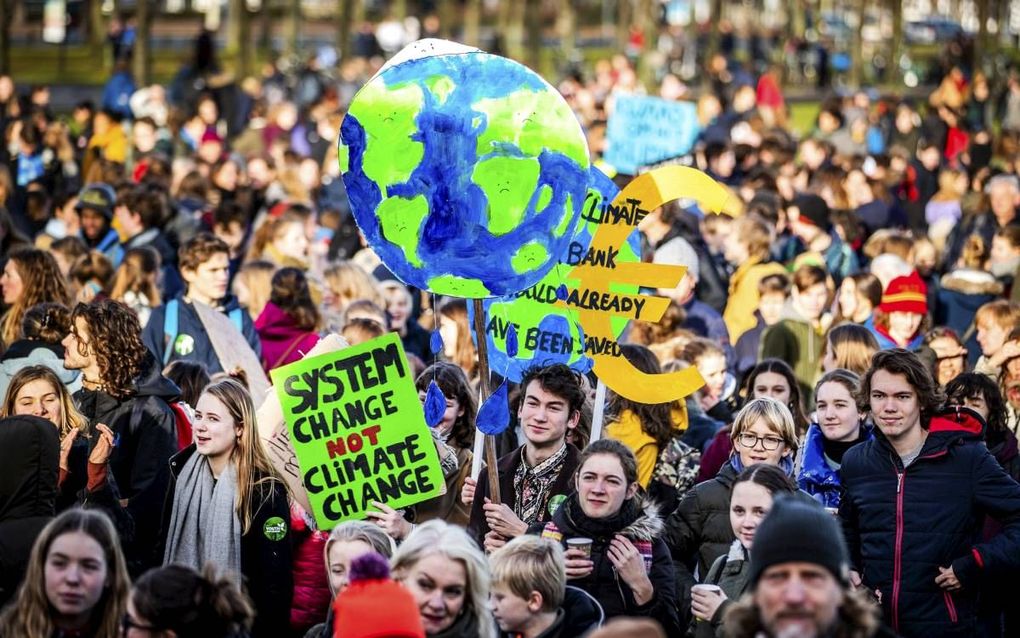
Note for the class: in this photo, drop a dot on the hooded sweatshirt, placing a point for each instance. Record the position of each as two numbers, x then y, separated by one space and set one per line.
29 451
796 341
282 340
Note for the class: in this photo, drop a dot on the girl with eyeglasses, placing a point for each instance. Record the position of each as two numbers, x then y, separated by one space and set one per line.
699 531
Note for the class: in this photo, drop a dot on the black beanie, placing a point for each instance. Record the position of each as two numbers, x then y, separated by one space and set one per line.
813 210
799 531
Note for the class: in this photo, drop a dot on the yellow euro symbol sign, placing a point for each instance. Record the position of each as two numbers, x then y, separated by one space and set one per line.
644 194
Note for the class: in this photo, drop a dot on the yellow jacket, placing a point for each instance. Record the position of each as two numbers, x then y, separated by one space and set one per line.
627 430
112 145
744 297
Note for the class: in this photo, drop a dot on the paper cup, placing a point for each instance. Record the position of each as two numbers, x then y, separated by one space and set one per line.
583 544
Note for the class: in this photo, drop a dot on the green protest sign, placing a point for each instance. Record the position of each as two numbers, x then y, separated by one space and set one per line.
358 430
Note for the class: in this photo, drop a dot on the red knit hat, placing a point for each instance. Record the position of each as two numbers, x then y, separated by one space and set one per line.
905 294
373 605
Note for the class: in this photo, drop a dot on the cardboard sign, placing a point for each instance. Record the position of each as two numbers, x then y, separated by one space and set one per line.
547 333
465 171
646 130
598 300
358 430
275 436
232 349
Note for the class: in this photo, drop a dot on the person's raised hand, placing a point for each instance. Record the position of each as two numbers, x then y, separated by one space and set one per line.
66 443
103 448
390 520
578 563
467 493
503 520
630 565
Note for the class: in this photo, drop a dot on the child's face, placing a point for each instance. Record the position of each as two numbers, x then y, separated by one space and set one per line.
341 555
1003 251
713 370
771 307
991 337
511 611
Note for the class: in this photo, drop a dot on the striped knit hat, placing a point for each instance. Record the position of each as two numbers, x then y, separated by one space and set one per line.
905 294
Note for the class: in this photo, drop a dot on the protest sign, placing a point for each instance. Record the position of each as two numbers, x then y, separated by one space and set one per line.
232 349
646 130
598 297
358 430
276 437
547 333
465 171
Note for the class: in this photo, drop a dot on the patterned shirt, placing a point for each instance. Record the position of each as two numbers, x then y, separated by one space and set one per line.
532 484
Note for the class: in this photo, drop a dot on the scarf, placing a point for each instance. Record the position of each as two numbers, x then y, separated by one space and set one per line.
204 526
600 529
785 464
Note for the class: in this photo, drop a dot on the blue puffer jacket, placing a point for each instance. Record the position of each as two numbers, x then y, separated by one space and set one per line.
901 525
814 475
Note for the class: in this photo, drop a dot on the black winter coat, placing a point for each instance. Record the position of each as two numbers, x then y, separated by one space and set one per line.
29 451
507 465
146 439
603 583
901 525
266 558
189 324
699 530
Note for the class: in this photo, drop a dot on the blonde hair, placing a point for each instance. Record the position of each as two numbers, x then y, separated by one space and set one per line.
253 465
257 277
29 612
1004 314
349 281
453 544
531 563
71 418
138 273
352 531
777 417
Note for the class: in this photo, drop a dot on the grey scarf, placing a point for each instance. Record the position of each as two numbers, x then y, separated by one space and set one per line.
204 526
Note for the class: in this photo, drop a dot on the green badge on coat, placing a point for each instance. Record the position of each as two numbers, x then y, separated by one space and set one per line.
184 345
555 502
275 529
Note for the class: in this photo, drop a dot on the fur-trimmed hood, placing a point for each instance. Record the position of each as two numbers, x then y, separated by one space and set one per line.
649 526
971 282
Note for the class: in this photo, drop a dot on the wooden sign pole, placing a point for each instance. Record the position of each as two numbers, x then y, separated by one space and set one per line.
486 390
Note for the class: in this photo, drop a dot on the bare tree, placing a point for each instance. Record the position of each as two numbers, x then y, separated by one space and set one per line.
533 11
624 11
6 17
472 22
566 26
857 46
510 21
896 43
142 55
293 25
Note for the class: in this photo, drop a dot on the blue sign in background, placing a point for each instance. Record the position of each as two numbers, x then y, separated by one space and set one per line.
647 130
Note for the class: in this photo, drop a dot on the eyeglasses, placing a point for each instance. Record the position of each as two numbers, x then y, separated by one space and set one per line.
768 443
127 623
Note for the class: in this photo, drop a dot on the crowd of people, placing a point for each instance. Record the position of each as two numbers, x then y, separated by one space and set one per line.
849 467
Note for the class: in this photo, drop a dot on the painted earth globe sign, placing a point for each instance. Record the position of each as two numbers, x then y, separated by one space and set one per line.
466 171
549 333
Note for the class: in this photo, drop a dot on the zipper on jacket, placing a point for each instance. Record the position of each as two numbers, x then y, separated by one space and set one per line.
950 606
898 554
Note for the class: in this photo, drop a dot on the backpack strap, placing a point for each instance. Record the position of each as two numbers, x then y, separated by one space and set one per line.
237 319
170 327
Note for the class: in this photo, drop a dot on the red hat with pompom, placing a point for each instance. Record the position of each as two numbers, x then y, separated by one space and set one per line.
373 605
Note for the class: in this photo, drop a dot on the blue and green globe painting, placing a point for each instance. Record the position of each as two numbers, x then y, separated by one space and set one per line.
466 172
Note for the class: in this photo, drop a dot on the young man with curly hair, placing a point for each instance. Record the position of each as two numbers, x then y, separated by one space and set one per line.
123 388
175 330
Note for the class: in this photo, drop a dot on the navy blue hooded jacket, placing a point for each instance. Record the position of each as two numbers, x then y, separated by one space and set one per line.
199 348
814 475
901 525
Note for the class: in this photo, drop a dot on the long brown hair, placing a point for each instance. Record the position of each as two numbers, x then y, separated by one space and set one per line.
72 418
137 274
656 419
41 281
465 356
290 292
29 614
253 465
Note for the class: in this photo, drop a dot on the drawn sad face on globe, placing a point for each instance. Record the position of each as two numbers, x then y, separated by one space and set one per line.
466 171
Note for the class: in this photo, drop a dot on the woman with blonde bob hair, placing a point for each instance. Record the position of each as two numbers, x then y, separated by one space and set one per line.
228 505
763 432
449 578
848 346
76 583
